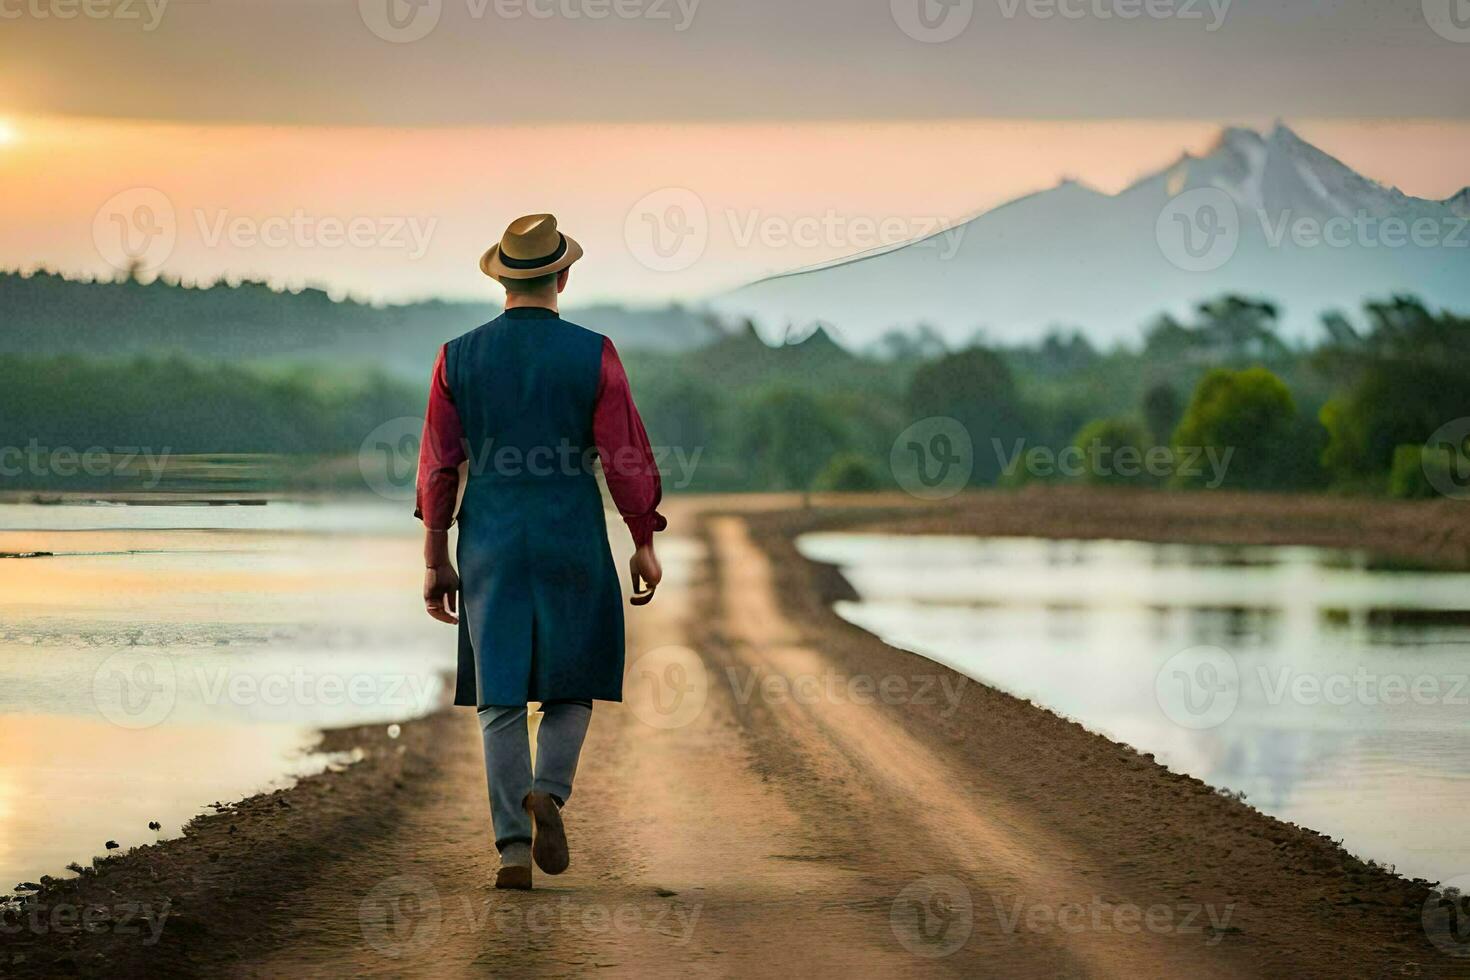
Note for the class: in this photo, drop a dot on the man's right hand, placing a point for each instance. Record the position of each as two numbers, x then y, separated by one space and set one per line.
646 572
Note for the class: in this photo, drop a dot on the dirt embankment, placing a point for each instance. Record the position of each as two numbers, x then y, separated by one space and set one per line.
1432 533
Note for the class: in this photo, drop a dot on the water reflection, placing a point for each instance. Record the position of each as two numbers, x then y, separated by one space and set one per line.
168 657
1336 691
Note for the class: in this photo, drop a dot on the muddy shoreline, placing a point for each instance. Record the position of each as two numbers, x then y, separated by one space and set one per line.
1431 534
182 907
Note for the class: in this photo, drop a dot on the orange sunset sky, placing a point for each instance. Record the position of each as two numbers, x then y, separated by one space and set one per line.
249 134
432 199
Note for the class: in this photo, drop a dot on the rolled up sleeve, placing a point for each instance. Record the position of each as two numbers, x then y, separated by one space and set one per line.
627 459
441 451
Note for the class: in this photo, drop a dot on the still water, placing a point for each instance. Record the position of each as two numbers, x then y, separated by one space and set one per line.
1334 694
166 657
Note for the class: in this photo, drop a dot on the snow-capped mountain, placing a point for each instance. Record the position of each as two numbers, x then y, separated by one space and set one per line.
1269 216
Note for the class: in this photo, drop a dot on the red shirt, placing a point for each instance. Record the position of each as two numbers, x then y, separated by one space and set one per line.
622 444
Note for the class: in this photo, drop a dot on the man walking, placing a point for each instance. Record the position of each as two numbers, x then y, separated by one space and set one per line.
522 405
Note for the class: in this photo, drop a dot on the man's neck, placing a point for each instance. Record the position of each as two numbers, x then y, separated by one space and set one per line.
540 302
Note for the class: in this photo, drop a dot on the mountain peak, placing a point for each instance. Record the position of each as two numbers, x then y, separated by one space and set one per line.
1284 135
1239 138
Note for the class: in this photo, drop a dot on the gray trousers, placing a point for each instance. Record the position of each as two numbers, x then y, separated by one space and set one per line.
508 761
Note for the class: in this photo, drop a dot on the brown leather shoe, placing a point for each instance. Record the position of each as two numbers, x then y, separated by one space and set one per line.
549 843
517 876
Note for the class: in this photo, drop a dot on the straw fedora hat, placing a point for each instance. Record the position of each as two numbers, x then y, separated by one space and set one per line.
530 247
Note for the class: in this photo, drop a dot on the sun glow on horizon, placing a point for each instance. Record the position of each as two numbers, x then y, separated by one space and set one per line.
8 133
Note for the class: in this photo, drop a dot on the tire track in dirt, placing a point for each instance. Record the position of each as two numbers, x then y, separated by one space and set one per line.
1007 865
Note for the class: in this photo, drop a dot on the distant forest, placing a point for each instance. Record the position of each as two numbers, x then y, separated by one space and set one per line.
237 371
46 313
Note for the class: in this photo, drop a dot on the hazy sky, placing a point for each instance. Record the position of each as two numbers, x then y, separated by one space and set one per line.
490 61
378 146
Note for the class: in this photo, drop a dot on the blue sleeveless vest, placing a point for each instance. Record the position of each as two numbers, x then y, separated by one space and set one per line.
541 614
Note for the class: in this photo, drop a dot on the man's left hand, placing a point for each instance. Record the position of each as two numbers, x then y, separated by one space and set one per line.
441 593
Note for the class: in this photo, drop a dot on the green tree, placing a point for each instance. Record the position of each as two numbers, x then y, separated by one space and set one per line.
849 473
975 388
1246 420
1230 329
1407 377
1161 410
1418 472
1113 451
788 435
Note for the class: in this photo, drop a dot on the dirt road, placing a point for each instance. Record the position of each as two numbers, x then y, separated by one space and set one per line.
754 809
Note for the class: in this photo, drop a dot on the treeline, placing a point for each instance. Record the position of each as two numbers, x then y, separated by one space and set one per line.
1216 400
46 313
